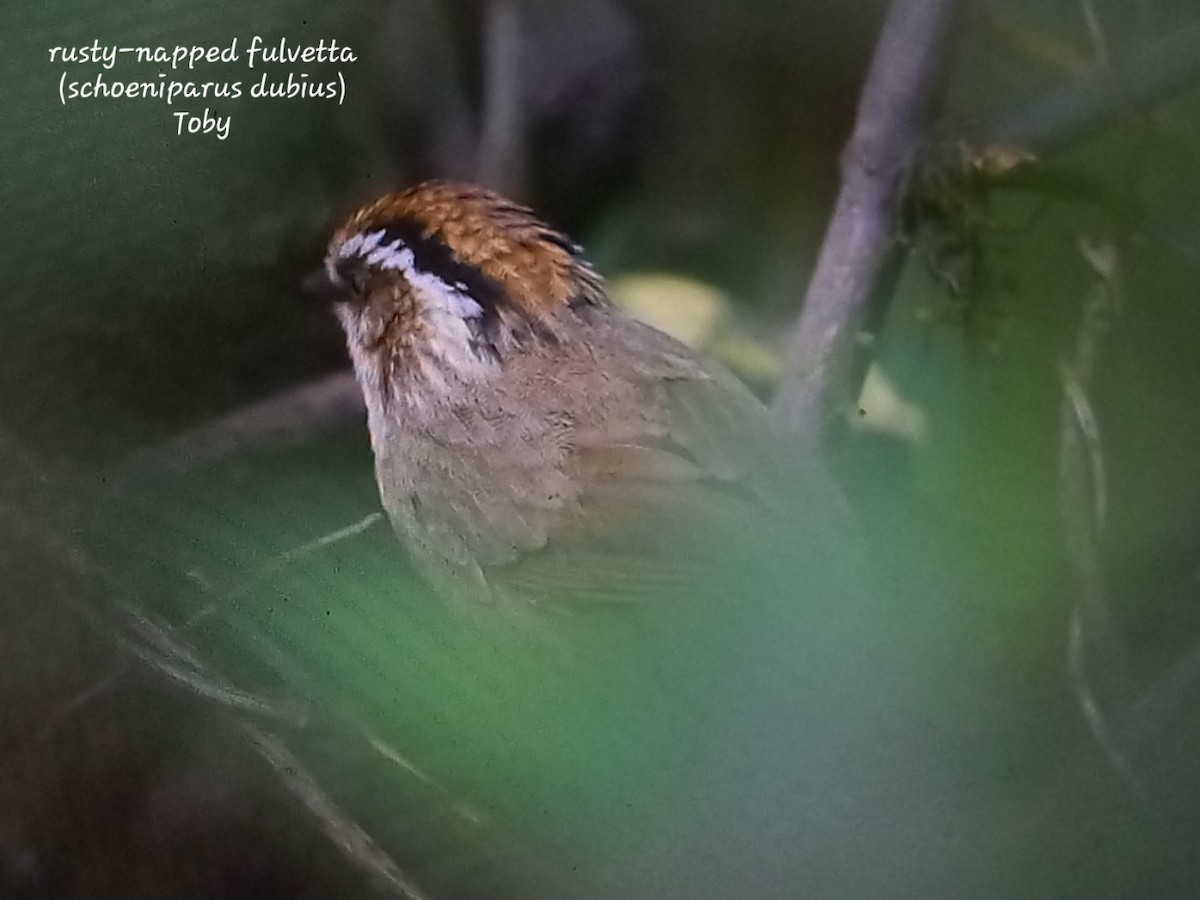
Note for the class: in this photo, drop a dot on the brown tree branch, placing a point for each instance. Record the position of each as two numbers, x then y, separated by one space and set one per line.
286 420
502 126
860 257
900 95
1066 114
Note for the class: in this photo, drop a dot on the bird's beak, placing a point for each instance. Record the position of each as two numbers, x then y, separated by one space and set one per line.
325 289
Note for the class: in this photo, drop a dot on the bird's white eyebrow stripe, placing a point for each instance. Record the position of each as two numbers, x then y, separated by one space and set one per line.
359 244
395 255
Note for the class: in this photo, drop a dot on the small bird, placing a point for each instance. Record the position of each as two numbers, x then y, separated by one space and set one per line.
658 585
535 447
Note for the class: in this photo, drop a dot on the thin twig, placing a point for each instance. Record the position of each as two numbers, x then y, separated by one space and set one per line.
1064 115
1176 688
167 651
1096 34
78 702
288 419
194 675
460 807
502 129
159 650
169 654
347 835
1093 640
293 554
901 92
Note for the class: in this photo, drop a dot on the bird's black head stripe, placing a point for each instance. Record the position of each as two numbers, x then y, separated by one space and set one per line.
433 256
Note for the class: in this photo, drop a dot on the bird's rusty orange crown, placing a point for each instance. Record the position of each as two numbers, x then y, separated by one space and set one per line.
467 235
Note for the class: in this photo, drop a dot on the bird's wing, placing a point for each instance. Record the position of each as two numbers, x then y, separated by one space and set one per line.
662 478
686 487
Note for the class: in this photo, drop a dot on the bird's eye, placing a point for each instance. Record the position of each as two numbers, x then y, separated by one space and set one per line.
355 276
